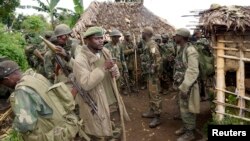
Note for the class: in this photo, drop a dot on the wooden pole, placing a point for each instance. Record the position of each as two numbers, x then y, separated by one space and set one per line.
241 79
220 79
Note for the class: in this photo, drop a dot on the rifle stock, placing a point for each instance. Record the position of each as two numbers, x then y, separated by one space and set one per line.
87 98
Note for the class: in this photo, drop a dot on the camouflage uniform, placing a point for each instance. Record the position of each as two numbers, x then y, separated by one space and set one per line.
33 60
151 60
40 115
143 77
167 51
185 78
128 49
117 53
203 45
53 72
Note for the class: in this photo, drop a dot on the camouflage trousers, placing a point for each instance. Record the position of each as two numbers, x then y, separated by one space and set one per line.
188 118
155 101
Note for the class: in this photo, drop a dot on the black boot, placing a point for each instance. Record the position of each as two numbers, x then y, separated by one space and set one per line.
155 122
148 114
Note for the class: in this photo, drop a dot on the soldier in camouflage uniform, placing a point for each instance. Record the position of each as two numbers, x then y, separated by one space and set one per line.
203 44
167 50
65 49
129 50
35 53
4 92
143 77
150 58
36 118
117 52
185 79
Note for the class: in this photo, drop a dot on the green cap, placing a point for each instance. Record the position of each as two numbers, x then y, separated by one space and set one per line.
97 31
7 67
183 32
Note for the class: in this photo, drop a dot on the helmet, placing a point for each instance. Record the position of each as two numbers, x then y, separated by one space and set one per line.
127 33
148 30
157 37
183 32
115 32
48 34
164 36
62 29
3 58
7 67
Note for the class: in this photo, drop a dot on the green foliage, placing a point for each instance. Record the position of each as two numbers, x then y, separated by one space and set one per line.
13 136
34 24
7 8
79 9
12 45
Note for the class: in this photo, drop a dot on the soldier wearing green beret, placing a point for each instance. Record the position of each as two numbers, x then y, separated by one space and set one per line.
37 116
185 79
115 47
96 72
150 61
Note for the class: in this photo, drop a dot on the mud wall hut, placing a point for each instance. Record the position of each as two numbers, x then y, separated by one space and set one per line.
129 16
229 29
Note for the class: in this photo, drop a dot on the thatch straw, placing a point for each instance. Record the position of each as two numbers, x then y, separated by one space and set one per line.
231 17
131 17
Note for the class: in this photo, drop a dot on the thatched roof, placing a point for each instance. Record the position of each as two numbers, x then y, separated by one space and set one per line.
122 16
235 18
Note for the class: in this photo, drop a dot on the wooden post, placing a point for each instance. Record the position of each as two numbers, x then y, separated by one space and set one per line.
220 78
241 78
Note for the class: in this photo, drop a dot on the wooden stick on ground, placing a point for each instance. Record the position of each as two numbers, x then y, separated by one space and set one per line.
5 115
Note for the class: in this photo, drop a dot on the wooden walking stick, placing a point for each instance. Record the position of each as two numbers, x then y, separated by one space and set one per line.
135 64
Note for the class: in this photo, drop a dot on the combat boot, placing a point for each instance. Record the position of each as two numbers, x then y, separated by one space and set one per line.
180 131
187 136
148 114
155 122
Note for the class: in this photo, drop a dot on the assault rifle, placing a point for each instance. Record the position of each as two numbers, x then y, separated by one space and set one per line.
83 93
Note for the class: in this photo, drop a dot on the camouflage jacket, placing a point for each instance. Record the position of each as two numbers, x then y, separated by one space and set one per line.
150 58
128 48
117 53
50 62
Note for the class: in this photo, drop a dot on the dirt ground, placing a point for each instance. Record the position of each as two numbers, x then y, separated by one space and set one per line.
138 130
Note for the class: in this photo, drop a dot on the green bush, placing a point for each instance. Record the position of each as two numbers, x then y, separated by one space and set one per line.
12 45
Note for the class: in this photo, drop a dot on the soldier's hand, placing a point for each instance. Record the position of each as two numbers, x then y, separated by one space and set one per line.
125 74
60 51
170 58
108 64
114 72
184 95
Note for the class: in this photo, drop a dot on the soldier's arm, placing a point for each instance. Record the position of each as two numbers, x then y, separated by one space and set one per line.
85 78
192 71
38 54
27 105
48 65
128 51
157 56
